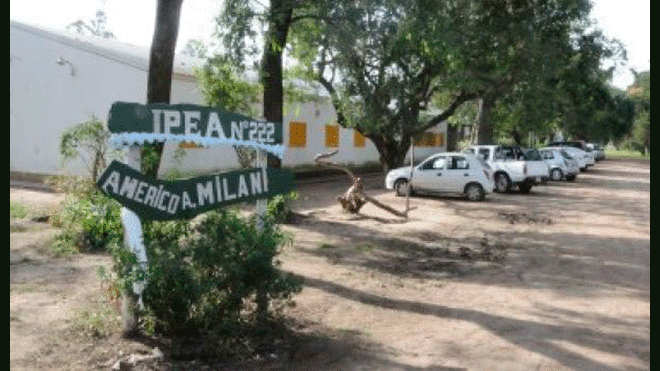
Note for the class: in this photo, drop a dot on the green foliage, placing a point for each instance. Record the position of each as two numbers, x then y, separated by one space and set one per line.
17 210
87 141
279 207
222 85
98 321
90 222
204 278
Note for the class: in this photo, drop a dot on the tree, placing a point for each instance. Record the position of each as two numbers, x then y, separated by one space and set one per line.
380 62
222 85
640 92
236 27
94 27
159 85
195 48
161 64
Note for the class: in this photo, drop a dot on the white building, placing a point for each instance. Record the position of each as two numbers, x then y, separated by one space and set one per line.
59 79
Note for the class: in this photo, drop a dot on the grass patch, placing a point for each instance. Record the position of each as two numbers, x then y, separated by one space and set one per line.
626 154
99 321
326 245
25 288
364 247
17 210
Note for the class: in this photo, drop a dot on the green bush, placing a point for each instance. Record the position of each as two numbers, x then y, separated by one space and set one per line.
279 207
89 221
207 281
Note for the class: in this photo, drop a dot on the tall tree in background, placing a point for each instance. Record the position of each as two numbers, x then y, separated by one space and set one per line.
95 27
380 62
640 92
159 84
161 65
236 27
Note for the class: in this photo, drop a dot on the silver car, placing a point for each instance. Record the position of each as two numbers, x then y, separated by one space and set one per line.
450 172
561 164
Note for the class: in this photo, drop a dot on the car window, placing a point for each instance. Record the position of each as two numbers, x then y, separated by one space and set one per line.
547 155
458 163
504 154
565 154
484 152
469 150
439 163
532 155
434 163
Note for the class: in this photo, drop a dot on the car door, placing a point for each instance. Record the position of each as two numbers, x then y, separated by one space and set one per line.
428 176
457 174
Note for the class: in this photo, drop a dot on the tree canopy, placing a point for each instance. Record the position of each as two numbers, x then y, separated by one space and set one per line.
396 68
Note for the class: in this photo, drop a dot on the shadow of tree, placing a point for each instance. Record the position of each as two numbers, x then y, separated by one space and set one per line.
533 336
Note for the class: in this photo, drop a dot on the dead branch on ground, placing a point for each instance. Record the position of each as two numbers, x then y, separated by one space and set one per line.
354 198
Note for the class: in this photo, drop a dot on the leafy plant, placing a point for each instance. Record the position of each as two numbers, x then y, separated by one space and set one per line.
207 280
90 222
17 210
279 207
87 141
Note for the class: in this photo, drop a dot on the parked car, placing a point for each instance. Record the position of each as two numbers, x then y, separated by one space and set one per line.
511 167
591 158
562 165
583 158
536 164
444 173
597 150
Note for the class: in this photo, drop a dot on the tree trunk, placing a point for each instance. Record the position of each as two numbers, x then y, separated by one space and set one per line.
484 121
391 152
278 28
451 138
159 86
161 65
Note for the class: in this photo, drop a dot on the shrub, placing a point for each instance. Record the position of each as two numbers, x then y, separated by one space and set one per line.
279 207
208 280
90 222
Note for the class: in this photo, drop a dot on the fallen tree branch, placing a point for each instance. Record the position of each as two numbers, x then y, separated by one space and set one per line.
354 198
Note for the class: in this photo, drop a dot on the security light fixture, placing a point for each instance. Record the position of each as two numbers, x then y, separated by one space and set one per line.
63 61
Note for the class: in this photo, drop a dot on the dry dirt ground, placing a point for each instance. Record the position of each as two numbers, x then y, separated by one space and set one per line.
555 280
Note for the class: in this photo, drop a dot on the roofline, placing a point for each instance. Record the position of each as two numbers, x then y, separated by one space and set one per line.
87 44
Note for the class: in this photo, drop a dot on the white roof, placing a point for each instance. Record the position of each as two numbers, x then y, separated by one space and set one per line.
133 55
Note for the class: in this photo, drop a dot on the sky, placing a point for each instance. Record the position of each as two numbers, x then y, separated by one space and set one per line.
132 21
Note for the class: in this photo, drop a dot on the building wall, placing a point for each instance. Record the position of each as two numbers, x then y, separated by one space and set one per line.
46 98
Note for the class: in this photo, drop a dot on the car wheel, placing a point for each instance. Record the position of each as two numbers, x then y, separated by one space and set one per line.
571 178
502 183
401 187
474 192
556 174
525 188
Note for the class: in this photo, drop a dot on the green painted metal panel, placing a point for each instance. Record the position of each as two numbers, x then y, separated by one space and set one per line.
191 120
154 199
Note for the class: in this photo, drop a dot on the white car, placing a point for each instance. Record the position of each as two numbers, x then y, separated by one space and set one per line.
584 158
450 172
561 165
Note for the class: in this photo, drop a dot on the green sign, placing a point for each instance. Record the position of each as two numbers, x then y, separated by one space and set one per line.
154 199
135 122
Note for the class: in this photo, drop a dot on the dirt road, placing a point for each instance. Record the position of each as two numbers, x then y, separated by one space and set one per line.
555 280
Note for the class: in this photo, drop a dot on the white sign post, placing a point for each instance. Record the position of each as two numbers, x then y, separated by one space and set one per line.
134 241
